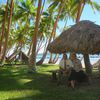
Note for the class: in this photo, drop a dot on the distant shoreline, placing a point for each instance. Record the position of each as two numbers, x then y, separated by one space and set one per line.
93 58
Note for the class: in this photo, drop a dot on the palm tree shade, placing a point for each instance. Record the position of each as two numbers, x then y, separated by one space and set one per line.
83 37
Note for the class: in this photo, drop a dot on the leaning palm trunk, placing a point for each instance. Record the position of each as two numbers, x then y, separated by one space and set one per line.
55 58
80 10
52 33
14 54
44 55
32 59
7 34
50 60
55 26
15 51
42 59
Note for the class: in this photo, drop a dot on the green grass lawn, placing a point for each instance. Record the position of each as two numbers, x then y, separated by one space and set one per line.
17 84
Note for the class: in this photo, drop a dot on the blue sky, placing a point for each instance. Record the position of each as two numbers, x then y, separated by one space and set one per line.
3 1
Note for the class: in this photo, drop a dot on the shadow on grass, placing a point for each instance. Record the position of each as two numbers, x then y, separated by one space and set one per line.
46 65
9 79
41 82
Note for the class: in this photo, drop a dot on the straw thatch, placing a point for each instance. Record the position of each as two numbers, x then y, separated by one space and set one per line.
83 37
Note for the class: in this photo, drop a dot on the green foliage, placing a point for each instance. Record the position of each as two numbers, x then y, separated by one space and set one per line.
46 24
95 6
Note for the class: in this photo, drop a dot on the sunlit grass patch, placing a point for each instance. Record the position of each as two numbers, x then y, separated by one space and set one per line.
13 94
17 84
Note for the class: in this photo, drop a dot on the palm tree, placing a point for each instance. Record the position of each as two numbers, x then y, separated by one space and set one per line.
52 35
45 29
3 30
19 39
7 34
32 59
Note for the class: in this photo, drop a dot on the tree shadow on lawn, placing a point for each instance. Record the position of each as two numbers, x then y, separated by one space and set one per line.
42 83
9 80
50 91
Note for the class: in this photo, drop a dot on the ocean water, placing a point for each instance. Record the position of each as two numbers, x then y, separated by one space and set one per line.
93 58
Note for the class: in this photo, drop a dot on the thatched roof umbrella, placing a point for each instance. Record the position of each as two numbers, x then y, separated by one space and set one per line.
83 37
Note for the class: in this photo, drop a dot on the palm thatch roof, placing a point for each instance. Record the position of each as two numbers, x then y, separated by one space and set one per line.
83 37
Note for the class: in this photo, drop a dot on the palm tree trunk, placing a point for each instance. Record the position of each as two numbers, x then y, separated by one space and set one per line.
28 54
50 60
32 59
55 58
3 30
44 55
39 46
52 33
7 34
42 59
15 51
88 66
18 49
55 25
80 9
